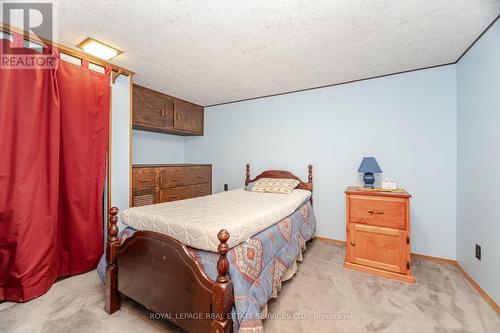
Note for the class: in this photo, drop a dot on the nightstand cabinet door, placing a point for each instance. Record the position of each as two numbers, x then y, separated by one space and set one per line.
378 247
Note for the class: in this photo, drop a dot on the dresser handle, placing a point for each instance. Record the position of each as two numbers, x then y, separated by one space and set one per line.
374 212
162 112
143 180
173 196
353 243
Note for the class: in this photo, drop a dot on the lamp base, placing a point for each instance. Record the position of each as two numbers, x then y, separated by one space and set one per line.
369 179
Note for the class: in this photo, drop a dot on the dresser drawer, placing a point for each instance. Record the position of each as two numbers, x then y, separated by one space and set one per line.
184 192
143 178
380 211
175 177
201 190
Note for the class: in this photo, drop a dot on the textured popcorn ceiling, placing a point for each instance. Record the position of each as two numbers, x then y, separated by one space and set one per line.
215 51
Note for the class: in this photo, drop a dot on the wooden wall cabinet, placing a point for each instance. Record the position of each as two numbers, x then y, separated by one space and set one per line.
157 112
153 184
378 233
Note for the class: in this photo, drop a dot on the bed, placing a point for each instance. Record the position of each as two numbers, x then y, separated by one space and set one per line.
202 282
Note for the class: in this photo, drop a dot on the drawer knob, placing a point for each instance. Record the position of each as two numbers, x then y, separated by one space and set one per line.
353 243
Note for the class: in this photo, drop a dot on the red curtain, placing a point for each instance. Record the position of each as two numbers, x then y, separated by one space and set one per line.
53 143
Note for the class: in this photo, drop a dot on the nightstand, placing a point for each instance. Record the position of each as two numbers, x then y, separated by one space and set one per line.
378 233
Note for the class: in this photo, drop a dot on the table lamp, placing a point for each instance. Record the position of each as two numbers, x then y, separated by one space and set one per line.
369 166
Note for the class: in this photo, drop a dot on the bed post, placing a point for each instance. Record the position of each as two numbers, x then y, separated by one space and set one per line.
222 293
247 176
310 180
310 177
112 296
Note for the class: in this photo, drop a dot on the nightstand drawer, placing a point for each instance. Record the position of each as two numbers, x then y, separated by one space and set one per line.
380 211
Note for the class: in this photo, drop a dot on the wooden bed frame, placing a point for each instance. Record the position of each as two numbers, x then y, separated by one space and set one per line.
158 272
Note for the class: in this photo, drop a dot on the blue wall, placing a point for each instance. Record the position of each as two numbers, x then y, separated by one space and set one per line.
156 148
479 160
407 121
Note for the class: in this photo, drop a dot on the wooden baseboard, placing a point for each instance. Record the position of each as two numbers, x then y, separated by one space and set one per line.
414 255
330 240
478 288
435 259
471 281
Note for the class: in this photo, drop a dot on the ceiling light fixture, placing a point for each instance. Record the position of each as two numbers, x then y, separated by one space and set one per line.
99 49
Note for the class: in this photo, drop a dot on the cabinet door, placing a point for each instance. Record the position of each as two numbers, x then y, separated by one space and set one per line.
378 247
188 117
152 109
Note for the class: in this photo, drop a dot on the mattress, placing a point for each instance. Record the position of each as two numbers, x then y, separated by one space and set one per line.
196 222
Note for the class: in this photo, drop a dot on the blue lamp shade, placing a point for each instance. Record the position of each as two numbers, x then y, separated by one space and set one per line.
369 166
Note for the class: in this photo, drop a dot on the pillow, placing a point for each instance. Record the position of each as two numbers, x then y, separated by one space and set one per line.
275 185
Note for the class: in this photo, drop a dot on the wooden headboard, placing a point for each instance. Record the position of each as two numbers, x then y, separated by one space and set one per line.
282 174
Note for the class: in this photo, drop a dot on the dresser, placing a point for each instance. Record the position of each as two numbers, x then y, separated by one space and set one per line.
378 233
155 183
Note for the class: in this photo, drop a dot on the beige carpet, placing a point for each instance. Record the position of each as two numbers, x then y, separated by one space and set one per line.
322 297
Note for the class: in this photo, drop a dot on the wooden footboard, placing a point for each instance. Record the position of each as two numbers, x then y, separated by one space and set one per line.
158 272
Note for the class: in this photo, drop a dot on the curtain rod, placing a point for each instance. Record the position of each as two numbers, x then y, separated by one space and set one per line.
75 53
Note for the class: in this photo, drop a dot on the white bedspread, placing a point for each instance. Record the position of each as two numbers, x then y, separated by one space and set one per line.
196 222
